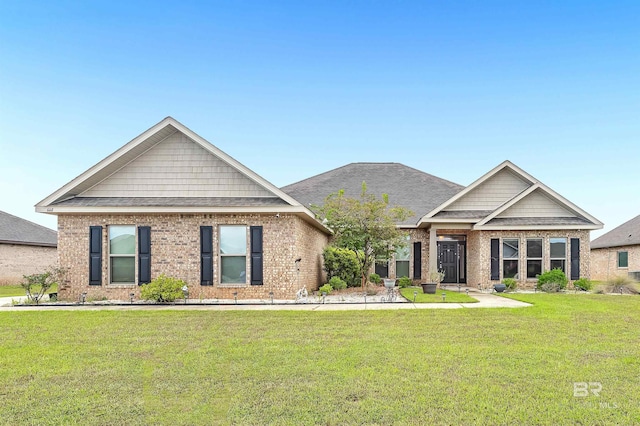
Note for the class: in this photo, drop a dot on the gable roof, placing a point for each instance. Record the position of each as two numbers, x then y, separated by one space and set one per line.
512 192
205 180
405 186
15 230
627 234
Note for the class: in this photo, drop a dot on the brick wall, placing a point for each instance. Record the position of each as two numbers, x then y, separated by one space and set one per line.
480 260
175 252
604 262
18 260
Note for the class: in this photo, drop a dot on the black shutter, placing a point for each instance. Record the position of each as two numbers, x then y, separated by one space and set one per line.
144 255
206 255
495 259
256 255
95 255
575 258
417 260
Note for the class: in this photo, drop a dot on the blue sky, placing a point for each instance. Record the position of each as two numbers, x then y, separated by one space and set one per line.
292 89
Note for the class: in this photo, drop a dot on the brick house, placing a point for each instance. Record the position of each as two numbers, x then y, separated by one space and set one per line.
170 202
506 224
25 248
617 252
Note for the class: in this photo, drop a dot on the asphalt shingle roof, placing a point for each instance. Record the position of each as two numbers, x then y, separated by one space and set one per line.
627 234
20 231
406 186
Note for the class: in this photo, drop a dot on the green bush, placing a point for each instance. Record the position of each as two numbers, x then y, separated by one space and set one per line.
555 276
404 282
337 283
583 284
510 283
36 285
375 278
343 263
163 289
325 289
549 287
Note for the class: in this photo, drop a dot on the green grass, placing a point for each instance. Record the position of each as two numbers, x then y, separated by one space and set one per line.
450 296
439 366
17 290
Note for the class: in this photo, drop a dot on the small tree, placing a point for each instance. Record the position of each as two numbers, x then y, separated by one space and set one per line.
36 285
364 225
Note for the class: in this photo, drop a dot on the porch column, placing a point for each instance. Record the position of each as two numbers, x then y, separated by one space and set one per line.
433 251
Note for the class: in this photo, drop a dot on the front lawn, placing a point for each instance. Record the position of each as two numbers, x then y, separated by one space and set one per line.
17 290
450 296
434 366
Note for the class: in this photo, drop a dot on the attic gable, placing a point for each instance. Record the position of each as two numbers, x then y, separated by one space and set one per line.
537 204
177 167
492 193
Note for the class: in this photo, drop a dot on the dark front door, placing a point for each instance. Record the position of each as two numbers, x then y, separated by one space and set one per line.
448 260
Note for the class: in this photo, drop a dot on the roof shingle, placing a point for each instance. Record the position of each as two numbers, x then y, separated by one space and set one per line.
16 230
406 186
627 234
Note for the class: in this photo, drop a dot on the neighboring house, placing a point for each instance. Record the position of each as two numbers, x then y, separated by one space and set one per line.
169 202
617 252
25 248
506 224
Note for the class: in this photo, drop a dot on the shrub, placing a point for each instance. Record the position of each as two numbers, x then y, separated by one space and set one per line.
337 283
36 285
375 278
554 276
549 287
325 289
163 289
510 283
343 263
404 282
583 284
621 284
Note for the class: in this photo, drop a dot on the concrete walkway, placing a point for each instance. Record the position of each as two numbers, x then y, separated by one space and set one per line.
484 301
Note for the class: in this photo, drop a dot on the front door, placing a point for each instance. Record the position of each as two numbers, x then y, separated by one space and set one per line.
448 260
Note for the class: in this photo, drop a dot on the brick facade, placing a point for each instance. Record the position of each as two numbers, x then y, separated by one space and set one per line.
482 272
604 262
175 252
17 260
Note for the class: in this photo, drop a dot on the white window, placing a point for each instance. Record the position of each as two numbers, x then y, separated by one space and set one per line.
558 253
233 254
534 257
510 256
403 254
122 254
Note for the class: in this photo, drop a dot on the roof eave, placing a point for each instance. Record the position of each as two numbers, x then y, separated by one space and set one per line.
535 227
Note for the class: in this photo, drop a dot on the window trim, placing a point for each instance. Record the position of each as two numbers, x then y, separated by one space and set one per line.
405 259
627 259
120 255
533 258
517 258
551 258
222 255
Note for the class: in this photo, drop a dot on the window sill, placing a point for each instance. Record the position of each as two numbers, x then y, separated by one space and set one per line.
123 285
233 285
